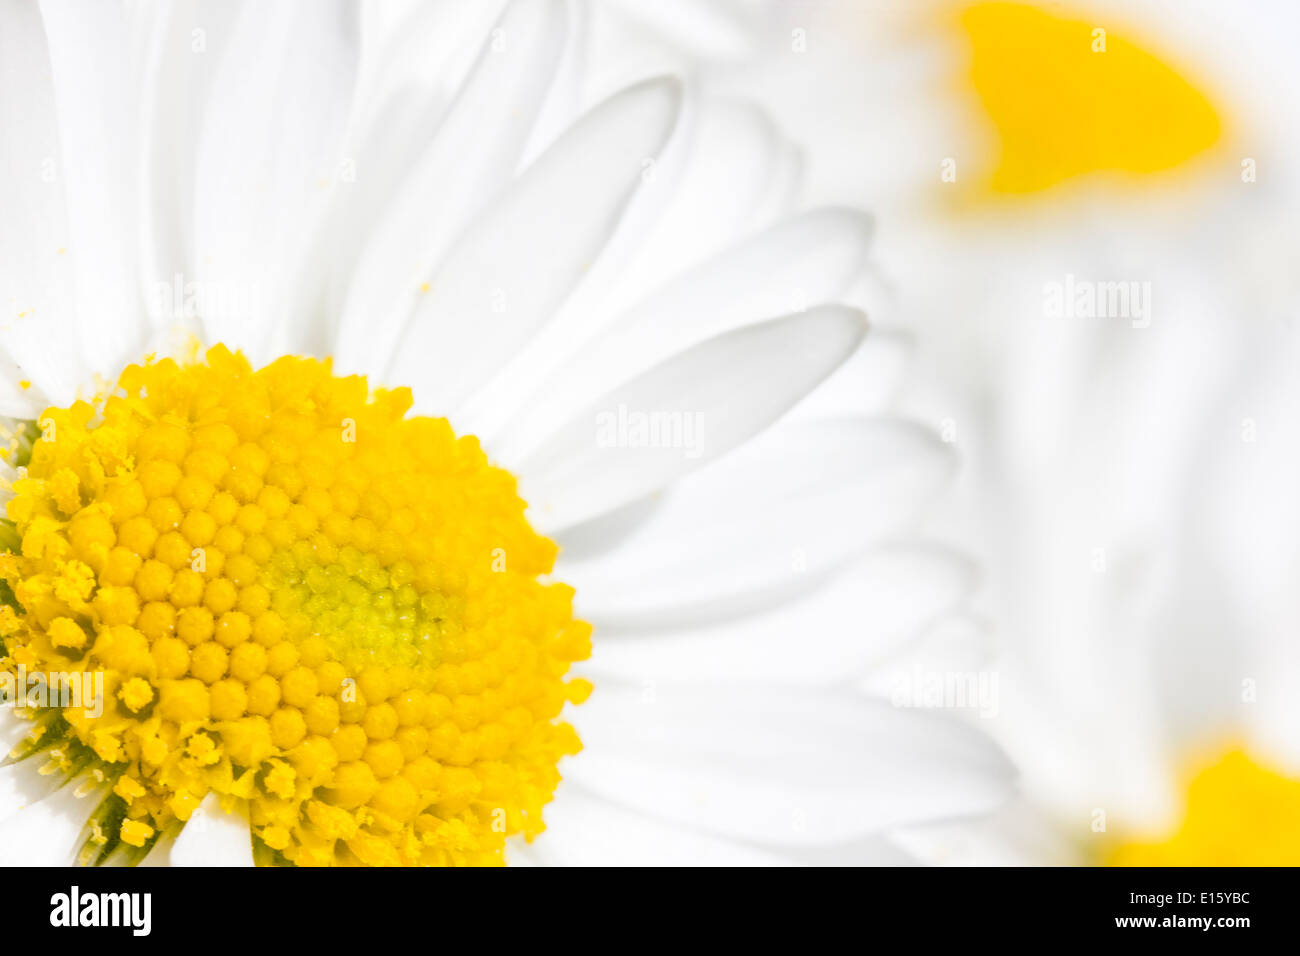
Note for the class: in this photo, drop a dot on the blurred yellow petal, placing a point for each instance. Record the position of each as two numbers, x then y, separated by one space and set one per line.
1070 97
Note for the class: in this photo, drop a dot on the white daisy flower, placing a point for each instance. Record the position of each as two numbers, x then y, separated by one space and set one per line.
326 631
1112 337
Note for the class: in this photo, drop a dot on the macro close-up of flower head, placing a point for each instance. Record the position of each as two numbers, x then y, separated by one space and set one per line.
348 413
613 433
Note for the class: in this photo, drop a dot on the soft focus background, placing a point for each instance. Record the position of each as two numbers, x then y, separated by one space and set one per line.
1129 477
1086 241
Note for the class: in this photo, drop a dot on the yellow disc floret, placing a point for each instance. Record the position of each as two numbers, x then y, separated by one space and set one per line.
1071 97
1238 812
299 599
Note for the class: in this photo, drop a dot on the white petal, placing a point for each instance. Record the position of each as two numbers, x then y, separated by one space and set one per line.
46 833
1242 567
429 45
268 155
565 100
808 260
17 401
1017 835
881 850
513 270
779 766
90 59
735 181
385 149
726 390
866 384
12 729
795 504
582 830
619 276
179 45
957 645
588 307
475 151
212 837
160 854
827 636
20 784
710 30
38 327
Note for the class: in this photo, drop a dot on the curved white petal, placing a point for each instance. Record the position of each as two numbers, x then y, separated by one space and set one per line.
160 854
828 635
12 729
780 766
38 325
510 273
178 47
212 837
705 189
16 399
472 156
736 177
268 156
385 150
866 384
877 850
806 261
566 98
582 830
1216 654
712 30
21 786
45 833
709 398
430 45
89 57
792 506
1017 835
956 643
587 308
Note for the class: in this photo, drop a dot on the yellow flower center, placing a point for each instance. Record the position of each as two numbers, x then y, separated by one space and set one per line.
1238 813
299 599
1069 97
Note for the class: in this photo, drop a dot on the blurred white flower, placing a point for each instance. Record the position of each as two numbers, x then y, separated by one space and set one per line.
1087 211
538 271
